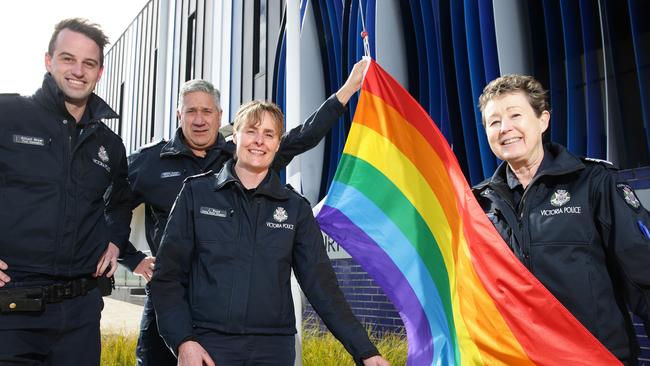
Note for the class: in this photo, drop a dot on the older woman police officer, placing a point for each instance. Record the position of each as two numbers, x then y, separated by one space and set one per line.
571 221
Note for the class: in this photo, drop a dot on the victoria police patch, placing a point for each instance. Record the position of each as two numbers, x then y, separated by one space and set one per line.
280 214
628 195
560 197
103 155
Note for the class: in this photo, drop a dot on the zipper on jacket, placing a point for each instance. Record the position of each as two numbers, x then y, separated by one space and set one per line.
523 224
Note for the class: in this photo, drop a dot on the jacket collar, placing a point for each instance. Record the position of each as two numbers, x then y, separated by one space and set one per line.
562 162
52 98
270 185
177 146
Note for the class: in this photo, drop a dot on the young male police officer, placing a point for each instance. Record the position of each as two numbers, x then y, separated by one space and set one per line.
64 209
157 172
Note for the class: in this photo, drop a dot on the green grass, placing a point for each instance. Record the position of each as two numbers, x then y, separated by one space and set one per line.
319 349
322 349
118 349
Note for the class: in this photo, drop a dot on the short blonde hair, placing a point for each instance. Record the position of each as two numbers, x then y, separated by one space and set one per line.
250 114
532 89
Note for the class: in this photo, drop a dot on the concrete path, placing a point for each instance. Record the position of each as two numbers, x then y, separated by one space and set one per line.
120 317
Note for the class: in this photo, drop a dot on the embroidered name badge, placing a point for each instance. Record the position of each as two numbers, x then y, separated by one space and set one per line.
165 175
628 195
29 140
213 212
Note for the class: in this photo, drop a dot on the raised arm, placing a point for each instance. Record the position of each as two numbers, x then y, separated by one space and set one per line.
316 126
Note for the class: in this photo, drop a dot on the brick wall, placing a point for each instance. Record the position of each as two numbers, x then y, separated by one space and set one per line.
367 300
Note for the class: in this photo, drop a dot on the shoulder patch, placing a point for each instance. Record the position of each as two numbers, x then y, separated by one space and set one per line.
192 177
606 163
290 188
628 195
151 144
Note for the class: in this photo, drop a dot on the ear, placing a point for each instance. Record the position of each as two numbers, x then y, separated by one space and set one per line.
544 120
101 72
48 62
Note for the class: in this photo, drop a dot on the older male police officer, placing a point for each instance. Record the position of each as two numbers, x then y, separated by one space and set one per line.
157 171
64 206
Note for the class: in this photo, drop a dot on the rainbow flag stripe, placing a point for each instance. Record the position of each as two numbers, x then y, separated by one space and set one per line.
400 205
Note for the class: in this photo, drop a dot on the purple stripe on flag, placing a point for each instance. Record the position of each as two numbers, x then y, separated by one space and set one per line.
382 269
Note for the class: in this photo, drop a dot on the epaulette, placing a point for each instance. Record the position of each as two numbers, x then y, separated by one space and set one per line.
290 187
606 163
151 144
8 97
191 177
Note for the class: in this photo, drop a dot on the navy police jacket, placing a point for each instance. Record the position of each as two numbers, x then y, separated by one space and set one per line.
584 234
225 263
60 204
157 171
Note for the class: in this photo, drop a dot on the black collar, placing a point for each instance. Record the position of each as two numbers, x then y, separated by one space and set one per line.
270 185
177 145
560 161
52 98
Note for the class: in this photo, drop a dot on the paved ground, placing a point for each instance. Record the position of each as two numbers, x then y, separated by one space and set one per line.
120 317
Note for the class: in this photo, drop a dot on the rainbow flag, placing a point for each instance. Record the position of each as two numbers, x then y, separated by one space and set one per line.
400 205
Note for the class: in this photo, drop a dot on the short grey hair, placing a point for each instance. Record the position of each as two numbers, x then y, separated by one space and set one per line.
199 85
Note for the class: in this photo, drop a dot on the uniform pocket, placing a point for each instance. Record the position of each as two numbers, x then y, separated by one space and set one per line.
214 225
28 219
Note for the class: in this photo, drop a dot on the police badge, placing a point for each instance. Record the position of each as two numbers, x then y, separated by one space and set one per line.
103 155
629 196
280 215
560 197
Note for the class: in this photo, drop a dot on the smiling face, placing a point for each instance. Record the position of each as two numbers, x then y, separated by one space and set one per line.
75 65
257 143
200 118
514 131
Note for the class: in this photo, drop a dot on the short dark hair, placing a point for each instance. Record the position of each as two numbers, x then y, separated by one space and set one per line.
532 89
85 27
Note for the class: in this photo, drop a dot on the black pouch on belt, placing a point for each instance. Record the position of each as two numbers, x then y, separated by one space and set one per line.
21 300
105 285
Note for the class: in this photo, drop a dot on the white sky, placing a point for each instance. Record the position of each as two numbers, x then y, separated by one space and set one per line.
26 27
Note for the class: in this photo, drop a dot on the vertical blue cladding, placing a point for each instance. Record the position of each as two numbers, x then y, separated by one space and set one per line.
640 27
557 89
330 48
449 107
576 138
465 99
422 56
433 104
596 140
484 67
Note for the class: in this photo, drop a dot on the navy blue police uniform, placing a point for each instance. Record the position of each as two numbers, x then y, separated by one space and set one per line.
223 270
64 196
584 234
156 174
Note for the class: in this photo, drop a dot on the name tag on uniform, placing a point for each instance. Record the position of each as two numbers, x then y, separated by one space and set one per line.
164 175
213 212
29 140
